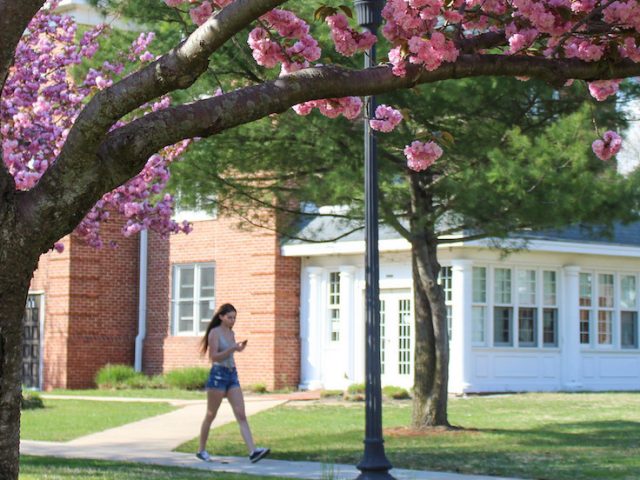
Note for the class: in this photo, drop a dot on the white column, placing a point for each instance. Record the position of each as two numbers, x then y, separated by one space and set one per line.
310 324
347 321
570 329
460 361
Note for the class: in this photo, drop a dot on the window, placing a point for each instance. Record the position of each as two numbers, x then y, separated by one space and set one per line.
629 329
586 292
404 337
609 310
550 309
628 313
502 285
334 306
445 280
605 308
502 311
502 321
514 307
479 305
193 298
527 313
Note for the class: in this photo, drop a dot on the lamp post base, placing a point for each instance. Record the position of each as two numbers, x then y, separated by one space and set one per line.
374 465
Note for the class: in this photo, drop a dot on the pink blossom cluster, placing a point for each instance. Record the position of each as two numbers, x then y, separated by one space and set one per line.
40 102
347 41
422 31
139 48
134 199
421 155
386 119
608 146
602 89
410 18
203 11
269 49
349 107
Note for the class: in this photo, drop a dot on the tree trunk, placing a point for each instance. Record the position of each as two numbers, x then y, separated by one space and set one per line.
431 372
15 275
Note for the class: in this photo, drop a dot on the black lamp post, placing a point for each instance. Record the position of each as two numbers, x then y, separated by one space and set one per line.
374 463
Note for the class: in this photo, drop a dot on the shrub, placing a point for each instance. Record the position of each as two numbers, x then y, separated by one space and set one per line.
330 393
137 382
116 376
257 388
353 397
157 381
356 388
190 378
397 393
30 401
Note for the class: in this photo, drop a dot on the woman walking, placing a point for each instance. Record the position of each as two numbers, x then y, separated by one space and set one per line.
221 343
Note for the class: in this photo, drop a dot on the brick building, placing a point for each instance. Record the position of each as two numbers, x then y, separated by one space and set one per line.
85 308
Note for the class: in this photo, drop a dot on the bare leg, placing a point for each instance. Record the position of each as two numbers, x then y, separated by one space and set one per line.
236 399
214 399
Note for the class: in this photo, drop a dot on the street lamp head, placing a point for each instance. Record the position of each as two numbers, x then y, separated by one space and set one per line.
369 13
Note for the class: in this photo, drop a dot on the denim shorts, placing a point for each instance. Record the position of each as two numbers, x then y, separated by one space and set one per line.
222 378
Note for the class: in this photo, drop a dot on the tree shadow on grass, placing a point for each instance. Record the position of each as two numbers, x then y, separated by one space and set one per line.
603 450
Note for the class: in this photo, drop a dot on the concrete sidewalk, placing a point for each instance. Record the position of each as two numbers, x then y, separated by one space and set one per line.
152 440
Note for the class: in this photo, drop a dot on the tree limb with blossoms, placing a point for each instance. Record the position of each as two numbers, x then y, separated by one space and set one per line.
65 146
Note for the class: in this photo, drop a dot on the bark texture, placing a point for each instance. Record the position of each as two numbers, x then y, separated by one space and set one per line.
431 337
17 262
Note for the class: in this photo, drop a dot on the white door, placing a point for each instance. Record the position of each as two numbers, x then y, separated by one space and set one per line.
396 338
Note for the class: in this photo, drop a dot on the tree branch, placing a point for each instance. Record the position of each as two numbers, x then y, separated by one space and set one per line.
175 70
125 150
15 15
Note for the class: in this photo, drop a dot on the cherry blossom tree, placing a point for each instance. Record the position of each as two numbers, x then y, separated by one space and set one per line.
72 151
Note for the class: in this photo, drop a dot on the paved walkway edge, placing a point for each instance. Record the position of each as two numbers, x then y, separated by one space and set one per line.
278 468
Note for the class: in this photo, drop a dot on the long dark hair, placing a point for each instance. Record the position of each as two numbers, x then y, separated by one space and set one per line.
215 322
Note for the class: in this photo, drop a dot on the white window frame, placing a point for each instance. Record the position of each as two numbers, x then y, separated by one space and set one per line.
333 306
631 309
544 305
615 312
495 304
445 279
196 299
537 281
607 309
477 305
540 306
586 308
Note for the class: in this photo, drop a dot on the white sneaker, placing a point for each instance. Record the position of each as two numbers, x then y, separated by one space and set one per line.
204 456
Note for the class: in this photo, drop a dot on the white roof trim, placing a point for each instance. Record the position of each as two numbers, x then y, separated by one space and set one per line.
342 248
401 245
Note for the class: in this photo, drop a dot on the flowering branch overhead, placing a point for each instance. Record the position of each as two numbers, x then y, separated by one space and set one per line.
430 40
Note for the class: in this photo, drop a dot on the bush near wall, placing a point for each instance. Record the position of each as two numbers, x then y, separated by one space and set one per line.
191 378
397 393
124 377
30 401
118 377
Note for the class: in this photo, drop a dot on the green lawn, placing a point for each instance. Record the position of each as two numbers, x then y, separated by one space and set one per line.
46 468
63 420
542 436
141 393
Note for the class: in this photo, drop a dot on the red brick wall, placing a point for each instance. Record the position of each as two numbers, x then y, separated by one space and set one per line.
52 280
250 274
91 304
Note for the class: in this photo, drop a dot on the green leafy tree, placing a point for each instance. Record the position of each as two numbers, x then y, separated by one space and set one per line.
517 157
